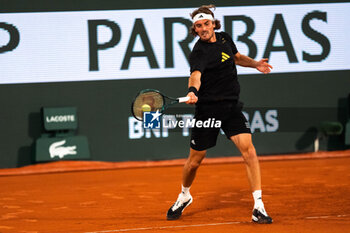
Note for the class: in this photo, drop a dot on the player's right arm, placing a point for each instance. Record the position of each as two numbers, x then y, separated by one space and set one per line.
194 82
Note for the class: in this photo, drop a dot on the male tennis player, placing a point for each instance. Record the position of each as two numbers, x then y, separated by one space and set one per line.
214 88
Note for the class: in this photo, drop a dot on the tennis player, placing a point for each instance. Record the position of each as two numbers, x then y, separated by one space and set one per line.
214 88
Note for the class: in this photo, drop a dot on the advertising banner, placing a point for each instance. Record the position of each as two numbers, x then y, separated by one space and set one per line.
67 148
155 43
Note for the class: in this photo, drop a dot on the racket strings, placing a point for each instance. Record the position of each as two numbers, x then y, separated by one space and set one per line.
153 99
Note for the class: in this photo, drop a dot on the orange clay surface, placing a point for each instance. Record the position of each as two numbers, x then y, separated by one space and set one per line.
302 195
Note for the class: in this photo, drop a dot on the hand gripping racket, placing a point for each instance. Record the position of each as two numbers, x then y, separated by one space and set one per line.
151 100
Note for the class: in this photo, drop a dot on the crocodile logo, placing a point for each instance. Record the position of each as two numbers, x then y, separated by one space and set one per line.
56 149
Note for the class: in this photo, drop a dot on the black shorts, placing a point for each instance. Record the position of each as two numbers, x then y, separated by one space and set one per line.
232 120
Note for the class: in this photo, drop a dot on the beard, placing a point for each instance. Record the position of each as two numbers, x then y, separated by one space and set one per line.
206 35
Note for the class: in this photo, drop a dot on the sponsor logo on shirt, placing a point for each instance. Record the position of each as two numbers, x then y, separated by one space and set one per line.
224 57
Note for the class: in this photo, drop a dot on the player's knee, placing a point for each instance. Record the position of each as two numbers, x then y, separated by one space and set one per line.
249 153
194 165
195 159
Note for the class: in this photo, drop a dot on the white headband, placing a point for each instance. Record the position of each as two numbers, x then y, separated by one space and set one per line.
201 16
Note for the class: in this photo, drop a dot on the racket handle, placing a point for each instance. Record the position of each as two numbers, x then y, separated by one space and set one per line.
183 99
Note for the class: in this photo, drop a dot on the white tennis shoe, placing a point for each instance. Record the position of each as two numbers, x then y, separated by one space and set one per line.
179 206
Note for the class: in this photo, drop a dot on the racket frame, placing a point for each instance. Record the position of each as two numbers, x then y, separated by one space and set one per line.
164 107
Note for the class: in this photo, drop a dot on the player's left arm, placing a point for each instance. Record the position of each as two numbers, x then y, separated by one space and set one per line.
262 65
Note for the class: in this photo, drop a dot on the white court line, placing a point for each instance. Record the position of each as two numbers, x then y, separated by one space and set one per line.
334 216
318 217
165 227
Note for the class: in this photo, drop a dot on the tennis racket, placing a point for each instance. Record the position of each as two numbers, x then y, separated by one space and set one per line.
151 100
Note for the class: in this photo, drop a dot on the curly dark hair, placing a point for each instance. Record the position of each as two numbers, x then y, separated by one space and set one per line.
204 9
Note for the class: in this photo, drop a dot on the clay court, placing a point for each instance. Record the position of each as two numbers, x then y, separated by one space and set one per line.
303 193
